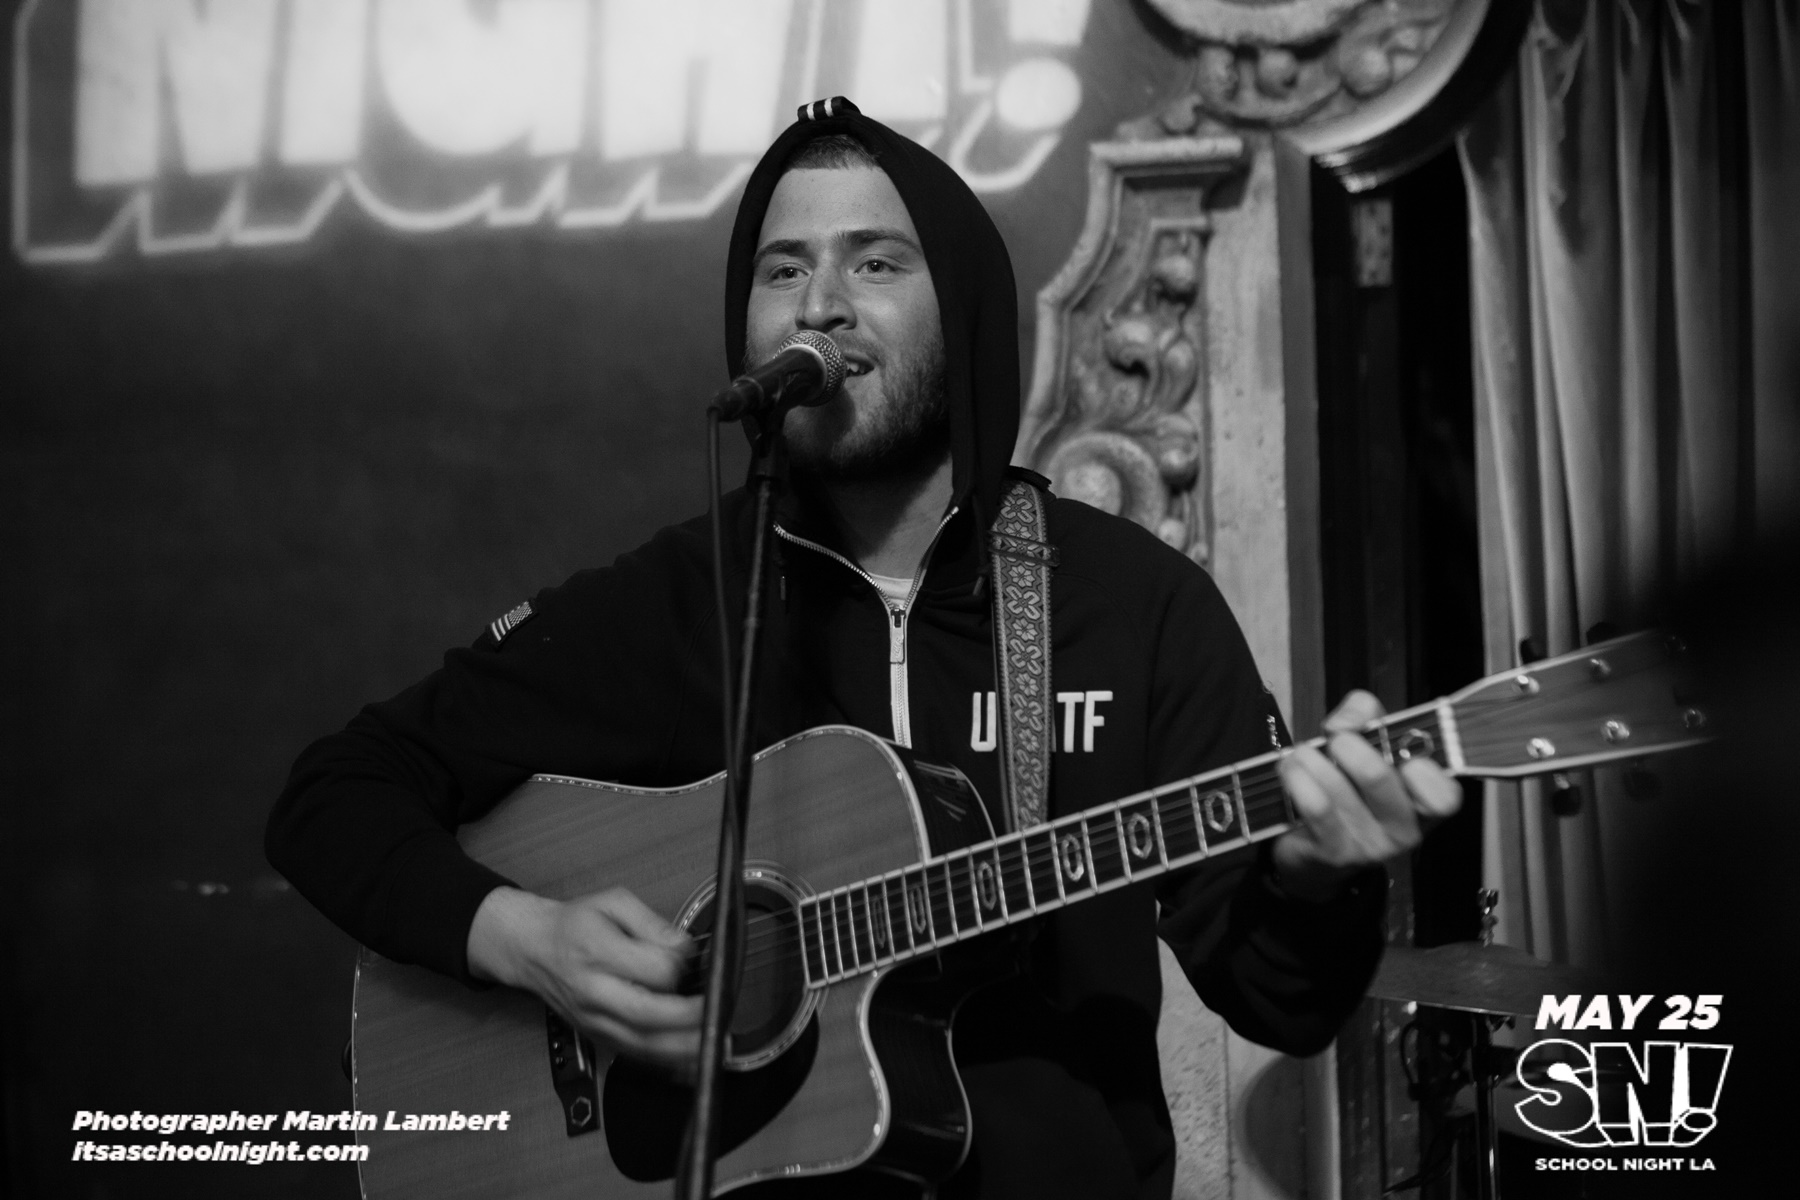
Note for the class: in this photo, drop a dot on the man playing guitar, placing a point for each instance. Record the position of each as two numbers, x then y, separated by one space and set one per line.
883 622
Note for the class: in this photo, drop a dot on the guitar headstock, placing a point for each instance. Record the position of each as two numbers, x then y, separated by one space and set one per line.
1614 700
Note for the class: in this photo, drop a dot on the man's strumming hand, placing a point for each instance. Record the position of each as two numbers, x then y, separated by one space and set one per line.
1355 809
605 961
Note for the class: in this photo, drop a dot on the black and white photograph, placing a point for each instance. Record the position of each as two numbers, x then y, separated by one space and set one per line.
908 599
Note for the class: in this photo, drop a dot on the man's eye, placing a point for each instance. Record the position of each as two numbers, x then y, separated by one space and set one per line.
785 271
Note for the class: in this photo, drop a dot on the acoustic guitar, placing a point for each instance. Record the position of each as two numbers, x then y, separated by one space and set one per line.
866 868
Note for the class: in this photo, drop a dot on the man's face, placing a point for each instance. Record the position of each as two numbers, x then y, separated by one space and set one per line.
838 253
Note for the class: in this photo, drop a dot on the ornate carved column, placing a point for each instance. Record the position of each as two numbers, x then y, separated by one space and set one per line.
1173 383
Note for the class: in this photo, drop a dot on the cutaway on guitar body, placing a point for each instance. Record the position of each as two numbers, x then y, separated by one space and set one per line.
822 1078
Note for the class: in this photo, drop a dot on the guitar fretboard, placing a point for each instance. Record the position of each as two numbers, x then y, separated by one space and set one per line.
950 898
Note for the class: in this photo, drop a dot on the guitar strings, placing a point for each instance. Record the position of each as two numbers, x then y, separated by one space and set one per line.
1260 792
769 943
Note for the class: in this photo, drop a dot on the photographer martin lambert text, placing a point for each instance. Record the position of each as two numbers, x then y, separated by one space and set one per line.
349 1120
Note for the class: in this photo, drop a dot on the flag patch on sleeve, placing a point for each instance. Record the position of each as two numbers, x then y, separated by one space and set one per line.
513 618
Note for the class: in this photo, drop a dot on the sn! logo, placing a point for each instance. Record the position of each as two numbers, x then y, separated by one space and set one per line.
1661 1093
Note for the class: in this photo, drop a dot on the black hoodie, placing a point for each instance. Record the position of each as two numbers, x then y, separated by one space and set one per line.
614 676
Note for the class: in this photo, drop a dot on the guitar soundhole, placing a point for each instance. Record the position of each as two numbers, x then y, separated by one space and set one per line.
772 1002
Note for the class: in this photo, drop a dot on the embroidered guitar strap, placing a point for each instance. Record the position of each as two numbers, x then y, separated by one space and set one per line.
1022 562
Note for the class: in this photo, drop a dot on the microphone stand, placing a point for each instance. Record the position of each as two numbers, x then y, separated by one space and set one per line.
768 474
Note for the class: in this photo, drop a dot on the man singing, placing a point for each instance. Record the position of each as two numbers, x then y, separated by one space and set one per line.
882 619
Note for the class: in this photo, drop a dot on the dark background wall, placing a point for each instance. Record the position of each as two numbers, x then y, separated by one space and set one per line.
242 493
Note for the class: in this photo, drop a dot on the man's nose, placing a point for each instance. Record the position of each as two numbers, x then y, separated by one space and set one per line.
825 304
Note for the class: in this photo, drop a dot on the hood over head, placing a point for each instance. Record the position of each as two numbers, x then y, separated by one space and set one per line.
970 271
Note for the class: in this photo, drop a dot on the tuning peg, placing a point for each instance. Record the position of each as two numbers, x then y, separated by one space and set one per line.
1530 651
1565 795
1602 631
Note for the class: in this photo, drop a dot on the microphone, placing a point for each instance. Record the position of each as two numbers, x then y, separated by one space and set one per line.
807 369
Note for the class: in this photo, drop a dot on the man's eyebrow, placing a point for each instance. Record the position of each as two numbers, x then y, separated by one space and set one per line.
868 237
799 247
793 246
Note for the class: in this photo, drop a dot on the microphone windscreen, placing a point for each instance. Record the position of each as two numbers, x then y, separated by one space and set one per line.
829 354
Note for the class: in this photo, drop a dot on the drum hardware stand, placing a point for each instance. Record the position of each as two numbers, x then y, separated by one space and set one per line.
1481 1066
1478 987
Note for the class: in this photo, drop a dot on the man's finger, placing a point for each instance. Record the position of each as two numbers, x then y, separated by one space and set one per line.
1298 769
1434 793
640 920
1334 819
670 1049
639 1007
605 948
1381 789
1355 711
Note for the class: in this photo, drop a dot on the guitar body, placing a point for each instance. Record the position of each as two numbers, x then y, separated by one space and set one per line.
860 1078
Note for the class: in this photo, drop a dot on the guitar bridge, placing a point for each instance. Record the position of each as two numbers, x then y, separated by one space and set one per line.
572 1075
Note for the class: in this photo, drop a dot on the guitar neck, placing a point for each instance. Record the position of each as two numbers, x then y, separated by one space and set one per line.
949 898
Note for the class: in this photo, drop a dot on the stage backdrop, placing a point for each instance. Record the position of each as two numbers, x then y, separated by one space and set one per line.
332 329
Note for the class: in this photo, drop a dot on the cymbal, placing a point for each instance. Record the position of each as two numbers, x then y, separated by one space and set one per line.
1468 976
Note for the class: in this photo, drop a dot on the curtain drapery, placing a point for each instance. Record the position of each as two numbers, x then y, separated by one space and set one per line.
1634 193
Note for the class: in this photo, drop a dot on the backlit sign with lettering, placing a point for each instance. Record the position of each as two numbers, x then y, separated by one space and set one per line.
166 127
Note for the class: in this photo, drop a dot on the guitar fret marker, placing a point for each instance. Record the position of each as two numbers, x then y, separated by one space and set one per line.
877 934
1162 845
1218 811
1139 836
918 909
987 891
1073 864
1001 881
887 920
973 886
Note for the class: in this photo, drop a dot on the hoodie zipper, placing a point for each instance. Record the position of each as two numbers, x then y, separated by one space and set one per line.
899 700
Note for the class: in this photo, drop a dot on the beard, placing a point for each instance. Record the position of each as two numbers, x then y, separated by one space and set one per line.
903 429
